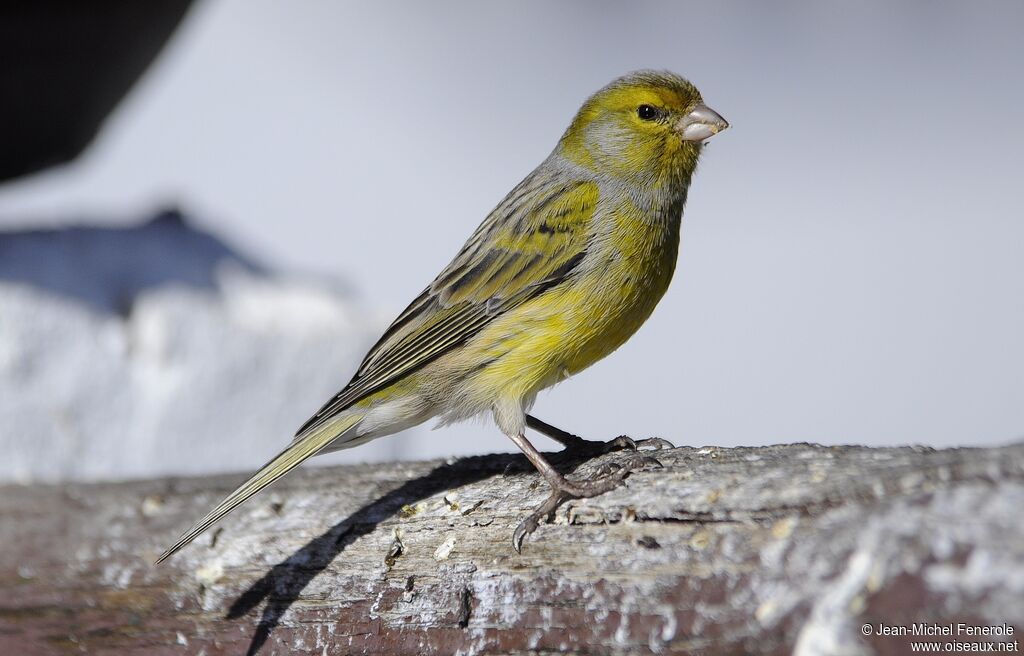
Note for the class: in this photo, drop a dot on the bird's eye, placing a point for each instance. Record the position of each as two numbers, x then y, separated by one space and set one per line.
646 112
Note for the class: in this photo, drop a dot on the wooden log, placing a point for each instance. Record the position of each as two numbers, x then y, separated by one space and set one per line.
771 550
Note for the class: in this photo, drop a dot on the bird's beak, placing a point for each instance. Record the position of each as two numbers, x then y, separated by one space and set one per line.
701 123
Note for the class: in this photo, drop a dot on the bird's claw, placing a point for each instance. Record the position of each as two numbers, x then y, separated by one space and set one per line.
607 477
620 443
653 443
527 526
530 524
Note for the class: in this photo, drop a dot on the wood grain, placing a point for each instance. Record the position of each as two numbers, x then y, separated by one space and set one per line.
777 549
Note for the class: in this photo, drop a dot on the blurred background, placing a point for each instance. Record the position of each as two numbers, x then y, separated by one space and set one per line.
210 210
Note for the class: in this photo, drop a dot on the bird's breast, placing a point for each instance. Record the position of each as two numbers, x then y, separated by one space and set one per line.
575 324
634 269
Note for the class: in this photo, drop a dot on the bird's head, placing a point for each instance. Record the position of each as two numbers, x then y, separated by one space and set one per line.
645 128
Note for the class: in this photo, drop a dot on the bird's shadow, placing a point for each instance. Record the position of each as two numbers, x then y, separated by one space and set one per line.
283 584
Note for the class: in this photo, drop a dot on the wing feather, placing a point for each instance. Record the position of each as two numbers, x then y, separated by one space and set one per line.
531 242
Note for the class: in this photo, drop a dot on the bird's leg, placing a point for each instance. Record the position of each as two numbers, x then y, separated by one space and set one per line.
563 489
577 445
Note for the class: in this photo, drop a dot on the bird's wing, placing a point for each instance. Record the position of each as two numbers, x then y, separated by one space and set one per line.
531 242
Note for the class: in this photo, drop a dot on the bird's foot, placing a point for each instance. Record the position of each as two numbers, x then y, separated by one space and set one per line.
606 478
584 447
576 446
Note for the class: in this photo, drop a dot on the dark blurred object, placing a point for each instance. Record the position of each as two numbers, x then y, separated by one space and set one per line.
64 66
107 268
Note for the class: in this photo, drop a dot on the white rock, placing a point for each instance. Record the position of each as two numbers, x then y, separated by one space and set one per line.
157 350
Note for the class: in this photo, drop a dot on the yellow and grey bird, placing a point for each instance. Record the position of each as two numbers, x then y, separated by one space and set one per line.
562 272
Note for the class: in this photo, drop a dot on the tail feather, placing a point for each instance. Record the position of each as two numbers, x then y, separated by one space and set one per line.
302 448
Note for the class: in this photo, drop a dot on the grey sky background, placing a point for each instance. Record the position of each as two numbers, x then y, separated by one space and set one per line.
851 264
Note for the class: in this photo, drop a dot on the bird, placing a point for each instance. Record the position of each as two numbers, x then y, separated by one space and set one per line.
559 275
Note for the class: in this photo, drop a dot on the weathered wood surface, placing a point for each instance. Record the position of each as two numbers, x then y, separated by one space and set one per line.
724 551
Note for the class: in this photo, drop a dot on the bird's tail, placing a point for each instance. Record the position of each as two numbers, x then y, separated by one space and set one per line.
303 447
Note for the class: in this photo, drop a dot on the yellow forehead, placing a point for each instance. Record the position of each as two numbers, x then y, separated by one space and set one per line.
624 95
630 97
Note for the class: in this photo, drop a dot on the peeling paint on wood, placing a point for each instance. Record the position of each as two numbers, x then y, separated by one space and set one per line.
777 549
